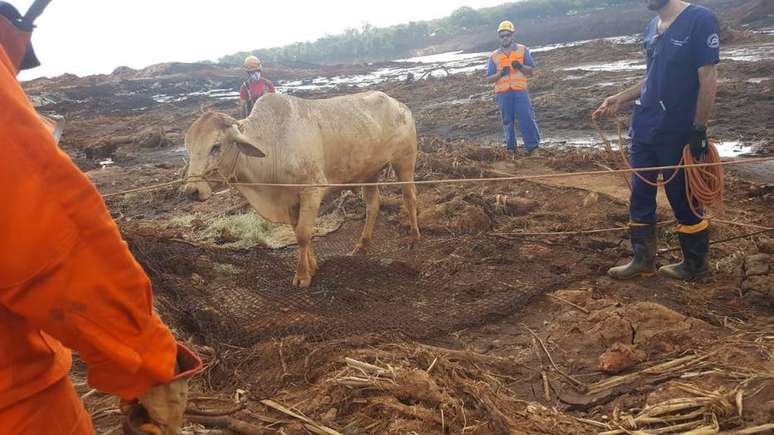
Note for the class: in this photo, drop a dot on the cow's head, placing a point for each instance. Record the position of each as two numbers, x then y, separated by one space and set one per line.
206 140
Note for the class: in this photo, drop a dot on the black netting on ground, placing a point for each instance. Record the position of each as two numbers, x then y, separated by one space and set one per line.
441 284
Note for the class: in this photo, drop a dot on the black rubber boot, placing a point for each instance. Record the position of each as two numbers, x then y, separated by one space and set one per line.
694 265
644 243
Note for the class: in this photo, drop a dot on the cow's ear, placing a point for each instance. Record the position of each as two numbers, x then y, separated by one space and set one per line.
244 143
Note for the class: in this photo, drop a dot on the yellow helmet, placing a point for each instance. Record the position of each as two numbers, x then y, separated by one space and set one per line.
506 26
252 63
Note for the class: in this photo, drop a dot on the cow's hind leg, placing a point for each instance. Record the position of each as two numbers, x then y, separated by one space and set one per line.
307 213
404 169
371 196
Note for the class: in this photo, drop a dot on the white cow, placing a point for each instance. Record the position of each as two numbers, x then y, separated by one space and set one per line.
289 140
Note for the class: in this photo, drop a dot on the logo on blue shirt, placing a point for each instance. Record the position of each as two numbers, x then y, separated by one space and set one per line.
680 42
713 41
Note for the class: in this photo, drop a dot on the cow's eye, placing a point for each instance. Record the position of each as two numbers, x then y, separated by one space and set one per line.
215 150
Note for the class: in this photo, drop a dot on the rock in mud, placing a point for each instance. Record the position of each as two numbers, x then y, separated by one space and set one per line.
760 288
757 280
611 328
652 327
153 137
513 205
459 215
413 384
100 150
620 357
766 246
759 264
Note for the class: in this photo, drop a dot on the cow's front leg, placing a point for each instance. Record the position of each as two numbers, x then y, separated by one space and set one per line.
312 260
307 213
371 196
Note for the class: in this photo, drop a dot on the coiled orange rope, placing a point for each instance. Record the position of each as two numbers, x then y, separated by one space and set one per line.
704 186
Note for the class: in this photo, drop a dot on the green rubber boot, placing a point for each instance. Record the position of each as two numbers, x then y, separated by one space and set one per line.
694 265
644 241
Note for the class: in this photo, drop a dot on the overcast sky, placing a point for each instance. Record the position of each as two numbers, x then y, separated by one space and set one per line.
95 36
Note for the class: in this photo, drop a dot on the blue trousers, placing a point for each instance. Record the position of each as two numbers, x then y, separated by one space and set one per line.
642 208
513 105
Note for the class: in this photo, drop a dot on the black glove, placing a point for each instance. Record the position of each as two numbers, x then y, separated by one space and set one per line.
517 65
698 142
506 70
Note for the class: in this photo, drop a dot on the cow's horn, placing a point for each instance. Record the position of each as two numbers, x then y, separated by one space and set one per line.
244 143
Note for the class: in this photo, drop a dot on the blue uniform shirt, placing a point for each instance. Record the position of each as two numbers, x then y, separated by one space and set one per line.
491 68
667 105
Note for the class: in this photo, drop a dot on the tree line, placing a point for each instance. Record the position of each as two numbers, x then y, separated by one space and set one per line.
375 43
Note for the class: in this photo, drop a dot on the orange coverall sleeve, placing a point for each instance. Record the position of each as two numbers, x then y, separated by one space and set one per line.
63 264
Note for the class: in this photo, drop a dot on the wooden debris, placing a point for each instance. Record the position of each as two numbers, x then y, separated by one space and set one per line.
225 422
309 423
577 307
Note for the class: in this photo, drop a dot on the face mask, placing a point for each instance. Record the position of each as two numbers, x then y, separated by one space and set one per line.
255 75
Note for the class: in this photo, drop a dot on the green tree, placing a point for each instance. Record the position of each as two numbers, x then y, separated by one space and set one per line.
374 43
465 17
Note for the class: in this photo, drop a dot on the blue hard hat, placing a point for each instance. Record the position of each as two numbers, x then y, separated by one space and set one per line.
10 13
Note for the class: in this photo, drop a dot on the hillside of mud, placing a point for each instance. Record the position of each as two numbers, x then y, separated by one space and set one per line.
478 328
502 319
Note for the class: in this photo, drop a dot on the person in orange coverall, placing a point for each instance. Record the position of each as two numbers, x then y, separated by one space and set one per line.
68 281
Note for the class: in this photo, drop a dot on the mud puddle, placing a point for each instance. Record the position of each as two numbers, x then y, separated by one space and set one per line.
749 54
726 149
623 65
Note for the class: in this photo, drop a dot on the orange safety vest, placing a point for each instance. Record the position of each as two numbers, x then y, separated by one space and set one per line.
516 80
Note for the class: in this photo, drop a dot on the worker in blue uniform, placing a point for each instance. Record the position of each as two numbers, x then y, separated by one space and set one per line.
508 69
673 104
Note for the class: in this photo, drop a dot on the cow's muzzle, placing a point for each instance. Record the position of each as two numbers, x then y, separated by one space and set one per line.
199 191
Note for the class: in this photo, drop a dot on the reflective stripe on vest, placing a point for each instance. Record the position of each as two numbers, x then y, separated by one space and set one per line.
516 80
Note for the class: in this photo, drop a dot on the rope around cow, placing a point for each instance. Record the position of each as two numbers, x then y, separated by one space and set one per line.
761 229
445 181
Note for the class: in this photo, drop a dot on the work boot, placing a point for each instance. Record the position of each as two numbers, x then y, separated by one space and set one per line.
644 243
694 265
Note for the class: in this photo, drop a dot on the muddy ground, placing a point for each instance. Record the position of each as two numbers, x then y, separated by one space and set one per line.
479 328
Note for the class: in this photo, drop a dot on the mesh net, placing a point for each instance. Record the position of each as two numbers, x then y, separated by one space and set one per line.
438 285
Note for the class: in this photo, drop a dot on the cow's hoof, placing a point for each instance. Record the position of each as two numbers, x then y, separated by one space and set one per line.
360 248
302 282
414 240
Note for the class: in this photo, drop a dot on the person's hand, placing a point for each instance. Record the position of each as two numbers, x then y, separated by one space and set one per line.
609 107
517 65
165 404
506 71
698 142
159 411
